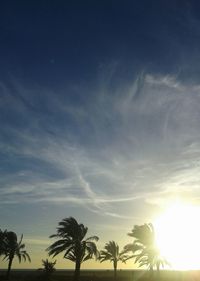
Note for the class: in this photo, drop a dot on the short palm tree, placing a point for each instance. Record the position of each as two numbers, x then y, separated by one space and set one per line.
73 243
48 268
111 253
14 248
144 247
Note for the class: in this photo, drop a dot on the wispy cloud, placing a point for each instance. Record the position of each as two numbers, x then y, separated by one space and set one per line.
139 142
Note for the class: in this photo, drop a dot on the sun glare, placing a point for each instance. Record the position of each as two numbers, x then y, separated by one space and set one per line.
178 236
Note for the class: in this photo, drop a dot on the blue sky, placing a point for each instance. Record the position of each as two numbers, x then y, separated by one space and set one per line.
99 115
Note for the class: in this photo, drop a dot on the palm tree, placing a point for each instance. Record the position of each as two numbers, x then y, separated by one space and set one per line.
144 247
48 268
111 253
14 248
2 241
73 243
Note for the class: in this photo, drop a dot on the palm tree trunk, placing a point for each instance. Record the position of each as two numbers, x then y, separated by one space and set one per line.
77 271
158 269
115 269
151 271
9 268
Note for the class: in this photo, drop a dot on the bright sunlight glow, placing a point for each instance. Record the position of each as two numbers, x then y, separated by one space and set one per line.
178 236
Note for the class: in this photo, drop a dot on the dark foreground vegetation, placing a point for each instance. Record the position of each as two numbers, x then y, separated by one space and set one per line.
72 242
104 275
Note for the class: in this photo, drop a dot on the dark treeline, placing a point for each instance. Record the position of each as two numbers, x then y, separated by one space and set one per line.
72 241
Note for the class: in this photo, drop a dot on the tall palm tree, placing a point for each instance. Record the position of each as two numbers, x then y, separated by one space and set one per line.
73 243
111 253
144 247
14 248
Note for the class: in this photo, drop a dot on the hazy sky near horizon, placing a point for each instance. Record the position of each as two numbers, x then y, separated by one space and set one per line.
99 114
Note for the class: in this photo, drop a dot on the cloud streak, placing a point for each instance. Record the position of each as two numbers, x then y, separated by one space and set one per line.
139 142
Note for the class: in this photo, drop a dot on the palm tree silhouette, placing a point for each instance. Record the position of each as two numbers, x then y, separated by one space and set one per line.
72 243
48 268
144 247
14 248
111 253
2 241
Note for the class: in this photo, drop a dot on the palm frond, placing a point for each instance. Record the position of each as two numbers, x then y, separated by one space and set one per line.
144 247
92 238
71 241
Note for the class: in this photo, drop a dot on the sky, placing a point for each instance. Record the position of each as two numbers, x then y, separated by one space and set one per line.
99 116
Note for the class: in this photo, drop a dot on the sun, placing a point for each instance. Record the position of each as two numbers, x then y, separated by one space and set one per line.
178 236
